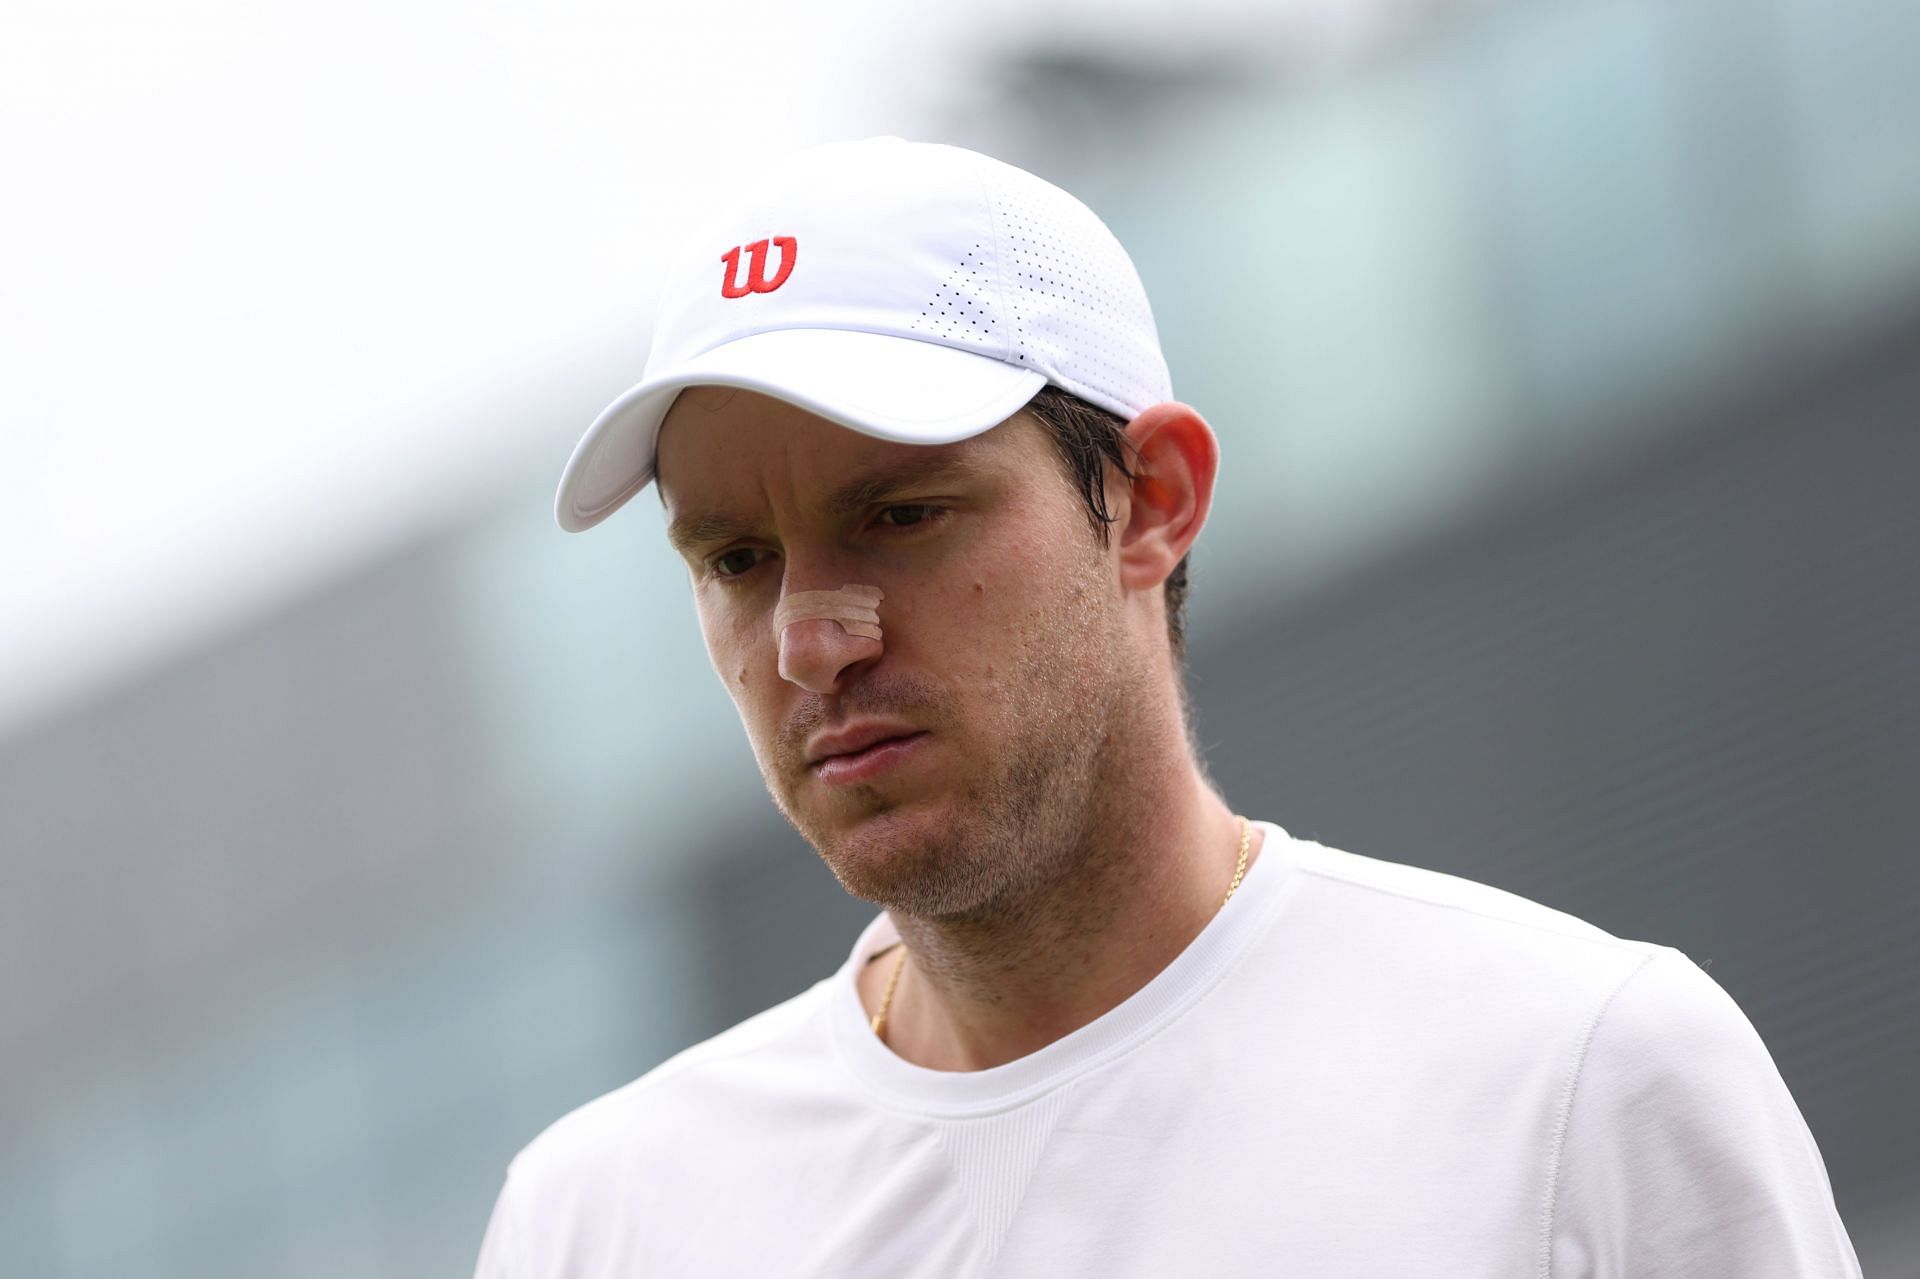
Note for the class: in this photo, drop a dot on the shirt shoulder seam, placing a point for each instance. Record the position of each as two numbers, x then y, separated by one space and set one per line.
1564 1113
1599 935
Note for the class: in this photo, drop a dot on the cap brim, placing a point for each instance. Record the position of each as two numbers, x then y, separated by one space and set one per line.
895 388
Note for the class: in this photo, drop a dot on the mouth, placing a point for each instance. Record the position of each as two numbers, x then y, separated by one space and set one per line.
868 760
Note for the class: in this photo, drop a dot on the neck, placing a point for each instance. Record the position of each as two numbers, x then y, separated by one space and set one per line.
985 989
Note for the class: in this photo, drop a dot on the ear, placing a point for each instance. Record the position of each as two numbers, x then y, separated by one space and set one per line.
1176 460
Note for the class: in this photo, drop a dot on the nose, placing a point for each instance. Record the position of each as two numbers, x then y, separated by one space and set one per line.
817 654
824 634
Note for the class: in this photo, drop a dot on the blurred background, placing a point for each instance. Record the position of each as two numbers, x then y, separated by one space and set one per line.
355 822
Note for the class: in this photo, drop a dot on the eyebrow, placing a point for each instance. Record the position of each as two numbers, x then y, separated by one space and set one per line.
882 483
689 532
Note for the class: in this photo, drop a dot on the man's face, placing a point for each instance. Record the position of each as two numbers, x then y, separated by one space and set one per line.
1004 667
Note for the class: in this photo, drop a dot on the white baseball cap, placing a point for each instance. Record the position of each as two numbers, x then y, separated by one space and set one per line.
911 291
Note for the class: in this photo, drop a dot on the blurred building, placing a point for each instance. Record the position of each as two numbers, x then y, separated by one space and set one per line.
1566 359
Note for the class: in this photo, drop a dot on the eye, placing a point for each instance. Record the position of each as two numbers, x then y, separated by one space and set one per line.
909 515
737 561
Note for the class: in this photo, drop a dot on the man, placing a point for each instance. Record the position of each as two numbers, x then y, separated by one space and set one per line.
908 418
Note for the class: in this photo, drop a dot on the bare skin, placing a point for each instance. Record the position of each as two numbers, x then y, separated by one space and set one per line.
1043 839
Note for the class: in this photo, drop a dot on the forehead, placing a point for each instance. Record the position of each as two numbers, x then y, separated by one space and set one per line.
720 446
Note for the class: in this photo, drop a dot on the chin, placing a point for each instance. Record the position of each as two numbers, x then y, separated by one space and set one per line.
883 852
862 821
925 862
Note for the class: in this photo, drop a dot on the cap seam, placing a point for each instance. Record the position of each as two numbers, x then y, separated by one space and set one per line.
999 279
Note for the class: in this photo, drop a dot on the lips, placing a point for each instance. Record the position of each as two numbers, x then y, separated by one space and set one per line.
854 738
864 752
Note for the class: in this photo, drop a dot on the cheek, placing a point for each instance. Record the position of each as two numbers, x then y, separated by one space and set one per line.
741 656
989 623
1058 608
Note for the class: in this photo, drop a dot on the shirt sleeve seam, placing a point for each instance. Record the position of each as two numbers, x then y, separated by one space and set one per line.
1564 1114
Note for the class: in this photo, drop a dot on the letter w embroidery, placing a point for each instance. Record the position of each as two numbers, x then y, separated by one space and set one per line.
757 281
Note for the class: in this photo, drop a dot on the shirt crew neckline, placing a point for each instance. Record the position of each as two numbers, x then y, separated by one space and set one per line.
1193 972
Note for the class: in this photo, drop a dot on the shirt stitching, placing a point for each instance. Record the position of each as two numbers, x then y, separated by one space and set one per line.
1564 1112
1558 929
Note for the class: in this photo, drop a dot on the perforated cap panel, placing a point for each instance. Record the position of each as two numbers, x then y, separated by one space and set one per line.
961 309
1075 304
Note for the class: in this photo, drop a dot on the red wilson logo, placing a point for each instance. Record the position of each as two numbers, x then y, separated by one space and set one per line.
757 281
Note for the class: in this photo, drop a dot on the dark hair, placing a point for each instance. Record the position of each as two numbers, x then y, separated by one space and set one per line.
1089 439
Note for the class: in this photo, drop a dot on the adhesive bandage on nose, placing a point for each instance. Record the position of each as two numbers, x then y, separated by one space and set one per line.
855 608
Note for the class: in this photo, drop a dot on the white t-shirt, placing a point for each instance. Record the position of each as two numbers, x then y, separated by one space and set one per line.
1358 1068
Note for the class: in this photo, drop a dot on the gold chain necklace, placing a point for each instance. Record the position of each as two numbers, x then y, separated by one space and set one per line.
886 1001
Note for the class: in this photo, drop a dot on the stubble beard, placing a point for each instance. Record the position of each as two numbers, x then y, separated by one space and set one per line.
992 848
